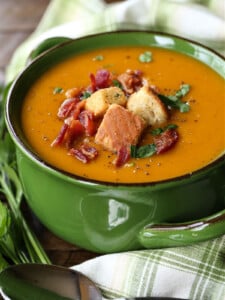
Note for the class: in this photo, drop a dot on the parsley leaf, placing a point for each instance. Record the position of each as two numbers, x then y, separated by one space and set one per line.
160 130
174 101
98 58
85 95
183 91
57 90
157 131
117 83
142 151
145 57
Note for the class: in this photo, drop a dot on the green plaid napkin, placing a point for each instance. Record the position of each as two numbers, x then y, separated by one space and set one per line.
193 272
200 20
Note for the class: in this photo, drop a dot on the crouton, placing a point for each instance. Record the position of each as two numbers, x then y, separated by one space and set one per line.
99 101
119 128
147 104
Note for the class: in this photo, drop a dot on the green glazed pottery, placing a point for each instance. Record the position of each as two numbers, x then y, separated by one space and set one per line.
104 217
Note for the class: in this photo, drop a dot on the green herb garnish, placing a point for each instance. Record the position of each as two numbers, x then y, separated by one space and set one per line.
160 130
117 83
145 57
157 131
57 90
18 244
142 151
85 95
174 101
98 58
149 149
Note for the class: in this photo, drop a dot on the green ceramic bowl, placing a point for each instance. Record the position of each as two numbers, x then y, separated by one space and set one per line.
109 217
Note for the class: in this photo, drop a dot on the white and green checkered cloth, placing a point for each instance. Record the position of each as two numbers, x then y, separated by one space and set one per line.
193 272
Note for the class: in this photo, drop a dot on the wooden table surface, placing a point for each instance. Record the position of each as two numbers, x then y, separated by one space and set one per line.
18 19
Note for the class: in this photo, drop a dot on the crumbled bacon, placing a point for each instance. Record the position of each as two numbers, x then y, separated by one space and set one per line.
130 80
123 155
166 140
76 122
67 107
93 83
86 118
101 80
84 153
78 108
90 152
60 137
78 154
74 130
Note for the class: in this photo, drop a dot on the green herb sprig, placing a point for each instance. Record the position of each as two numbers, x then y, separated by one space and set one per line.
117 83
18 244
175 101
98 57
160 130
149 149
85 95
145 57
57 90
142 151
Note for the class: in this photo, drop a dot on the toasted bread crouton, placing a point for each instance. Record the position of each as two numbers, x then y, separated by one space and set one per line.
119 128
147 104
99 101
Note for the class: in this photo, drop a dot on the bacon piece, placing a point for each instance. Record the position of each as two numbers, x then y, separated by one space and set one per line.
78 108
90 152
74 130
123 155
86 118
75 122
70 107
78 154
59 139
93 82
165 140
130 80
101 80
84 153
67 107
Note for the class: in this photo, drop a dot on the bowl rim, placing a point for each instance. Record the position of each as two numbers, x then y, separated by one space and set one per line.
83 180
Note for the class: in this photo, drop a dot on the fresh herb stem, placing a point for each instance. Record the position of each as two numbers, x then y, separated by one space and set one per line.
33 247
18 244
3 262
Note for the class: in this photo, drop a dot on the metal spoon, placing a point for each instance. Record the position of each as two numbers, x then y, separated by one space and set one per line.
48 282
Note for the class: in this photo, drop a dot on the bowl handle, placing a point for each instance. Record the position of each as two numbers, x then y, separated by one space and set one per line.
46 45
180 234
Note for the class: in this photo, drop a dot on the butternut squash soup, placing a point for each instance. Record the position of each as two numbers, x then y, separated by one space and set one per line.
127 115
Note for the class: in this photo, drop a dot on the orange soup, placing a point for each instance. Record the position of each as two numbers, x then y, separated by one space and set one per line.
201 130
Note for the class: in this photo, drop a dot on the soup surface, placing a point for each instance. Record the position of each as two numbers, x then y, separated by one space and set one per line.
201 130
